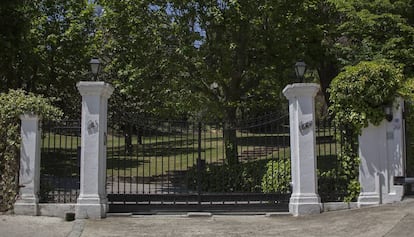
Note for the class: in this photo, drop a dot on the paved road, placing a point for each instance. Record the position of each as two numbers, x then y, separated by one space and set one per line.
386 220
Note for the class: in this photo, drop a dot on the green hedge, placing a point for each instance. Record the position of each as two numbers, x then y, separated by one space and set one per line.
277 177
241 177
256 176
12 105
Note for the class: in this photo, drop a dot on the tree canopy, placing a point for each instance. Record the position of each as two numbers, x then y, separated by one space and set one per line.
349 32
47 45
224 58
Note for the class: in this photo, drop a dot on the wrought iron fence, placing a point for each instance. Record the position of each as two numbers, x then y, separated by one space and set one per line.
332 186
176 161
60 161
409 143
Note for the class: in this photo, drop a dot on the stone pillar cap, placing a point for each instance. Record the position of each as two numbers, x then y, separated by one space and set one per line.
29 116
301 89
95 88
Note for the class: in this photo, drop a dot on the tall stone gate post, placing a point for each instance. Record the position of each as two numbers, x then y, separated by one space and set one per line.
29 175
304 199
92 202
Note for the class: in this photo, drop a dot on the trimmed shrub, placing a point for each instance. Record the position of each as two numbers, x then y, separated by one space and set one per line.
242 177
278 176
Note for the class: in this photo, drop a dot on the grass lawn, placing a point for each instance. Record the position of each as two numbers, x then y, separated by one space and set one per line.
165 154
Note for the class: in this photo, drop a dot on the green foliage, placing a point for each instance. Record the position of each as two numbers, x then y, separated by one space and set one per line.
165 56
242 177
358 97
242 48
359 93
14 26
61 43
12 105
47 46
374 30
349 161
346 32
277 177
141 43
255 176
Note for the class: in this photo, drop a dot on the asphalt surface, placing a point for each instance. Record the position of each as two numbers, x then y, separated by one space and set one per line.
385 220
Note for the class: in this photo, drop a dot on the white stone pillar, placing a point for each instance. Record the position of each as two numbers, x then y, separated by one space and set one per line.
304 199
92 202
381 150
29 175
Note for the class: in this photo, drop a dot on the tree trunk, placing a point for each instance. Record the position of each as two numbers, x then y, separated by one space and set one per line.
327 72
139 135
230 136
128 139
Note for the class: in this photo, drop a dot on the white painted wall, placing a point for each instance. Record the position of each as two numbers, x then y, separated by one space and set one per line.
382 154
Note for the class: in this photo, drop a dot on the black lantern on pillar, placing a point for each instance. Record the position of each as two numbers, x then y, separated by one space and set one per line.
95 67
388 112
300 69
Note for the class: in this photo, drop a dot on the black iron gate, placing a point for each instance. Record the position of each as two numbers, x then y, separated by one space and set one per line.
60 161
155 165
332 186
409 144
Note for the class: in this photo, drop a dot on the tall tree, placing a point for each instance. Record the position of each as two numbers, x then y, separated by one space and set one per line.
63 42
47 47
348 32
139 44
15 24
204 58
244 51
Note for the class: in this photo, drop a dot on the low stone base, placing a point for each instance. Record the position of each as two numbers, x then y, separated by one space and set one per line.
28 209
306 204
396 195
56 209
90 211
368 199
91 208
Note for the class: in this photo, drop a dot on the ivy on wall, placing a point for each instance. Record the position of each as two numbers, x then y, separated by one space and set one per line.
358 96
12 105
